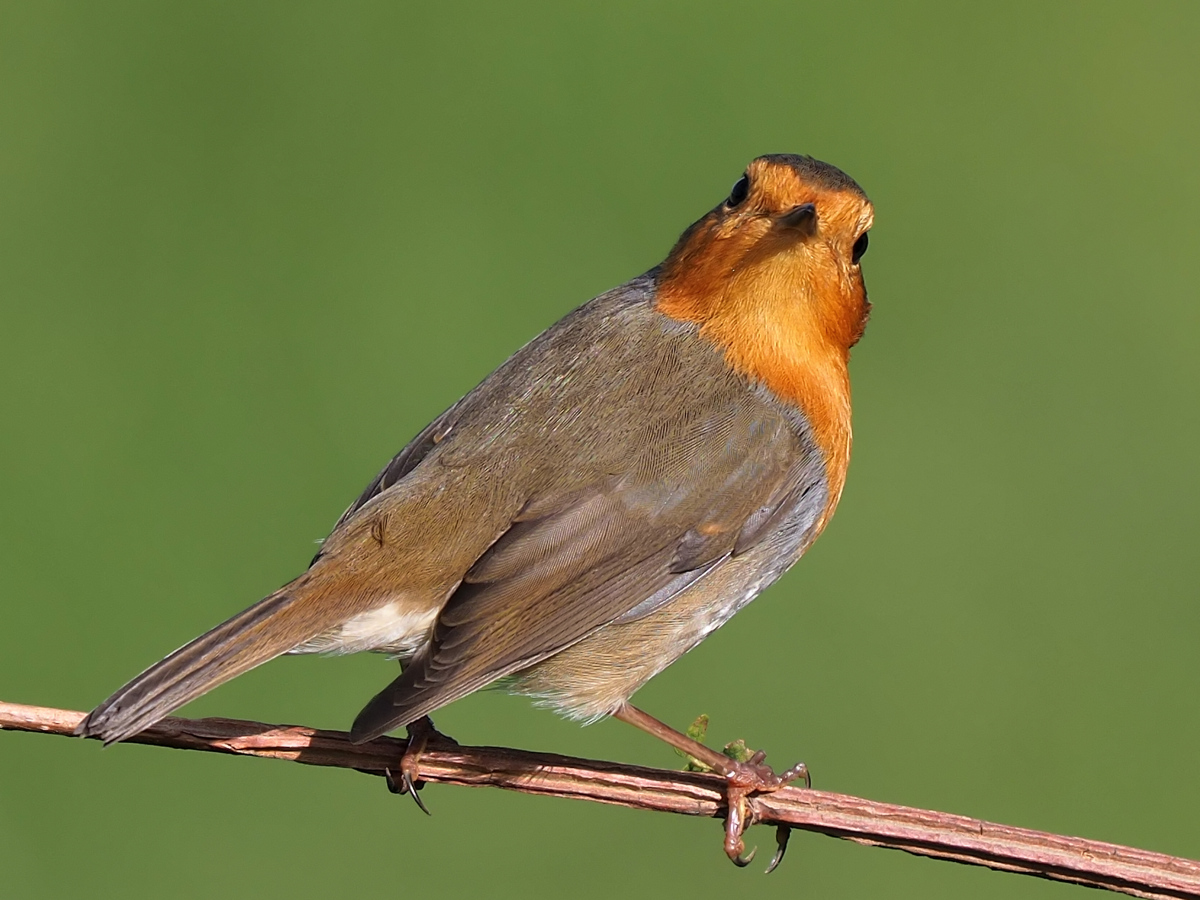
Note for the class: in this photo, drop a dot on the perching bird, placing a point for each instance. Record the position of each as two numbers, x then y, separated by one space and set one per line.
604 500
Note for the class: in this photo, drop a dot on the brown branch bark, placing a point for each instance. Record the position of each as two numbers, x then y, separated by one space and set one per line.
940 835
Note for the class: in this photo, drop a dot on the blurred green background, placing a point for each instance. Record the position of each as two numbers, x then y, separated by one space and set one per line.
248 249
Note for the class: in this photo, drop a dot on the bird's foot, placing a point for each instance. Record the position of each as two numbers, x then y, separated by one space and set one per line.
420 733
742 779
745 772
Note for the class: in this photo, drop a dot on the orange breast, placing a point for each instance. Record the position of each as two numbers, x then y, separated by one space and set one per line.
782 325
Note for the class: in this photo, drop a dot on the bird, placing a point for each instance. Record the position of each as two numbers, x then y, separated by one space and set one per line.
603 501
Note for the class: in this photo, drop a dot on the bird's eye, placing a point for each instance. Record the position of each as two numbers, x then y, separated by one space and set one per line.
740 191
860 247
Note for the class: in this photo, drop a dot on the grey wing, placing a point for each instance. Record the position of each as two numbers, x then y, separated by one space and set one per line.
616 549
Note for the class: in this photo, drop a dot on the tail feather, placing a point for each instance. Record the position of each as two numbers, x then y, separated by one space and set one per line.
255 636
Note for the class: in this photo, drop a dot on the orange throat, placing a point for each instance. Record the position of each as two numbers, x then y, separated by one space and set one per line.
778 326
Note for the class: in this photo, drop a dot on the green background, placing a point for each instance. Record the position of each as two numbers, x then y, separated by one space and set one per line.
247 250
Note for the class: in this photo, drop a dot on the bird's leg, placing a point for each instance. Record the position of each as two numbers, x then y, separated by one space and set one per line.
741 778
419 734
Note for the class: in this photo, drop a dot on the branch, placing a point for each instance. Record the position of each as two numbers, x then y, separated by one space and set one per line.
940 835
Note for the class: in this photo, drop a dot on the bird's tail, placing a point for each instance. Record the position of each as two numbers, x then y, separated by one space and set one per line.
269 628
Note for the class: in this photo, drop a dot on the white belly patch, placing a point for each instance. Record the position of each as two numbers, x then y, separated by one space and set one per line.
388 629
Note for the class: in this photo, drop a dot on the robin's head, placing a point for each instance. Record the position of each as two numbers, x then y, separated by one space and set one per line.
783 249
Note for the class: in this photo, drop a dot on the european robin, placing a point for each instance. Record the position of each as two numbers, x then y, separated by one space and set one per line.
604 500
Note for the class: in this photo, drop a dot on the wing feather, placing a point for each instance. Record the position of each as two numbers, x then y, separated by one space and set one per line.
614 552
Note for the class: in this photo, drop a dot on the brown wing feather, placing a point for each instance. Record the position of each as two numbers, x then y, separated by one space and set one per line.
624 547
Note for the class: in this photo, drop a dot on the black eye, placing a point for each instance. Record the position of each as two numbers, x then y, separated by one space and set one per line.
860 247
739 192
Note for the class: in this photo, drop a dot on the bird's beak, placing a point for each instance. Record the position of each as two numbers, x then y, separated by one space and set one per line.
802 218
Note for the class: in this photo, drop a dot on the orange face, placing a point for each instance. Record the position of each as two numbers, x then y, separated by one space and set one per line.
792 231
772 277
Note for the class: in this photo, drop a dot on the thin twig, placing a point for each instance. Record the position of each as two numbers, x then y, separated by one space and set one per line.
1139 873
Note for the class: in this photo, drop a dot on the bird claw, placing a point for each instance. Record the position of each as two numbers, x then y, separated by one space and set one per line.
737 818
745 772
798 772
391 782
406 785
742 861
753 777
414 789
419 733
782 833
